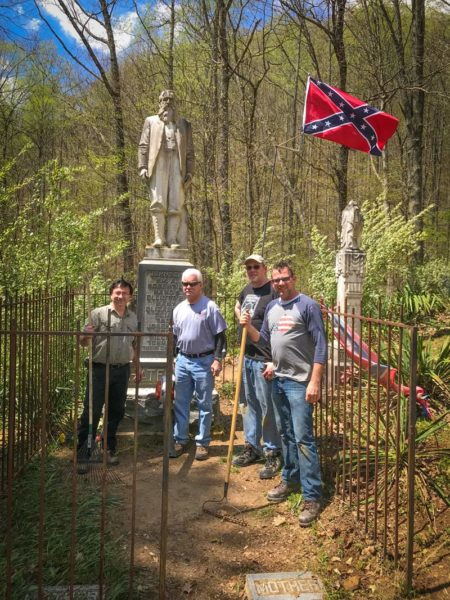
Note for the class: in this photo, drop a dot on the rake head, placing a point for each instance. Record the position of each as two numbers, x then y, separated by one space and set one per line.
222 509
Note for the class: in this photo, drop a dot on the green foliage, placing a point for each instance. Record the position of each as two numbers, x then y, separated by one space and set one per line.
433 277
433 369
322 279
418 306
228 282
427 452
390 241
45 238
58 506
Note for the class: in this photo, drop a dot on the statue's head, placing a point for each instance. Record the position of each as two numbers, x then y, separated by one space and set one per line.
167 105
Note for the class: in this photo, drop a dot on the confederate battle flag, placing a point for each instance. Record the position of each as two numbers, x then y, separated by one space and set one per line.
334 115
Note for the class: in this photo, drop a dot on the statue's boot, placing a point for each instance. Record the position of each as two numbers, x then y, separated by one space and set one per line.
172 231
158 225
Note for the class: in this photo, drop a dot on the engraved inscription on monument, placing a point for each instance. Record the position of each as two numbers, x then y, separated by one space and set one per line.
162 294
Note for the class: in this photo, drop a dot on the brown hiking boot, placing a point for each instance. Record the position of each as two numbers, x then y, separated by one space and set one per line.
201 453
282 491
310 512
177 450
272 466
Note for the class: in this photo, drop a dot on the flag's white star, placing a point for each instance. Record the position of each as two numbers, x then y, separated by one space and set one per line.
330 94
341 118
366 110
373 137
352 116
363 127
341 104
314 127
327 123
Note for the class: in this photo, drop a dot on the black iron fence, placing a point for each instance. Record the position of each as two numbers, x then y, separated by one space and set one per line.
365 427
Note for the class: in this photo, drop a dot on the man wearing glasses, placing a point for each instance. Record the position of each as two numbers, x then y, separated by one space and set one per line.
293 325
199 331
258 416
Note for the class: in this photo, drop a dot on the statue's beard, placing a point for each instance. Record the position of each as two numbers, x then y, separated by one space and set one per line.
167 115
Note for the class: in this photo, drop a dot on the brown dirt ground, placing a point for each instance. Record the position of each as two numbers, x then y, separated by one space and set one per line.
208 558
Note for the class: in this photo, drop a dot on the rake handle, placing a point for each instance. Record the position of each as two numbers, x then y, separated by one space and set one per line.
237 394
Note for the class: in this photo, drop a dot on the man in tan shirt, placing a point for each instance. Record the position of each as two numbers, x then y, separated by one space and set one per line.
121 354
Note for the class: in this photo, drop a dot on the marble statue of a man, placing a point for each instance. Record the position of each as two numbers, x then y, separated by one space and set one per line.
351 226
166 161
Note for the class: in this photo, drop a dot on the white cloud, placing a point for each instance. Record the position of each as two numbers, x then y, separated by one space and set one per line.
123 25
33 24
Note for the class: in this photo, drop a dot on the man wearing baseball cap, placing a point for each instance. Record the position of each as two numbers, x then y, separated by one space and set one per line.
258 415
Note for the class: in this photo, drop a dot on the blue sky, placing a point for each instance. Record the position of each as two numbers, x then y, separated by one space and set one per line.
21 21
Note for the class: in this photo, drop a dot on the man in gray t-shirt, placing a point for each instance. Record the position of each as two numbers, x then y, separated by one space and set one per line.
199 331
293 325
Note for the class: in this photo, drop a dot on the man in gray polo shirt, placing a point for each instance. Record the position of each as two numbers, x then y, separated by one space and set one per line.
121 353
293 325
199 331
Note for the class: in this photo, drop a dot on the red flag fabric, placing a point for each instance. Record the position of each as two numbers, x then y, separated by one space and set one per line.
334 115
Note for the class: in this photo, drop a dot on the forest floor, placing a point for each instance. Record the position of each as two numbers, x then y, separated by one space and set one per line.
208 558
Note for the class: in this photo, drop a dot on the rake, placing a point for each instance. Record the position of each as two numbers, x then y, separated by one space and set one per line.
222 506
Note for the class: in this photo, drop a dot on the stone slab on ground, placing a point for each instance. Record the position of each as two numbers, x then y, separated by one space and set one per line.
297 585
62 592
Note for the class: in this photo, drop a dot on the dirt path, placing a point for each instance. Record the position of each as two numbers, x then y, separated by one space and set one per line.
208 558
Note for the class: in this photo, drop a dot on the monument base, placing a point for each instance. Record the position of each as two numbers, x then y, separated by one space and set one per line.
166 254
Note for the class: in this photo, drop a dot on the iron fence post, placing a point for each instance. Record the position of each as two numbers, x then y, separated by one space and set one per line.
165 473
411 457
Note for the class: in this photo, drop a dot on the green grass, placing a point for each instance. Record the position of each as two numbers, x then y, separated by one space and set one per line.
265 513
294 501
57 534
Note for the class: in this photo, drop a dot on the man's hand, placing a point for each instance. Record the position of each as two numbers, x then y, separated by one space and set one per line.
313 389
268 371
86 337
216 367
143 173
245 319
313 392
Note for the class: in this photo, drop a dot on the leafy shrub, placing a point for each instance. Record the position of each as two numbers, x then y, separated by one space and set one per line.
322 280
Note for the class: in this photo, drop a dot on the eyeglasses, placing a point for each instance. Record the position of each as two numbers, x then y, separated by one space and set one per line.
190 283
250 267
281 279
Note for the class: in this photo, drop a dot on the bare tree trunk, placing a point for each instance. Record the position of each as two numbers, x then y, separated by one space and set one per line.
418 105
223 132
170 57
122 177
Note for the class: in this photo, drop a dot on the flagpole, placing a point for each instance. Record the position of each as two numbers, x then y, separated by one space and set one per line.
269 200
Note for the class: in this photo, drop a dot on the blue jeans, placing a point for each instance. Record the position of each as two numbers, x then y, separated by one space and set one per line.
301 460
259 417
193 375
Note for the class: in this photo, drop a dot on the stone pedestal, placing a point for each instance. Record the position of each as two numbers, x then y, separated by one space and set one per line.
159 291
350 276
